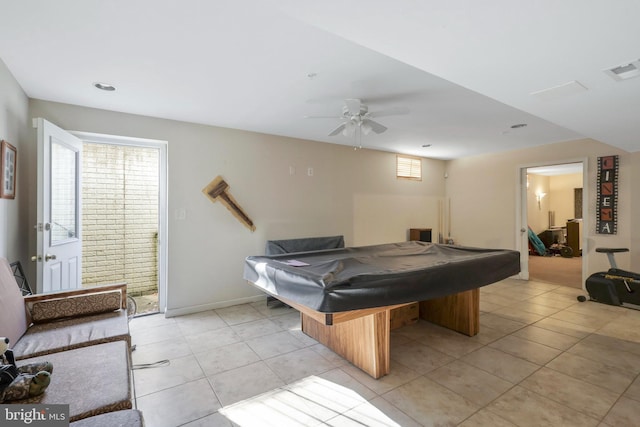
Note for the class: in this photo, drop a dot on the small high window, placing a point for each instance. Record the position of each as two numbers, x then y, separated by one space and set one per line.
409 168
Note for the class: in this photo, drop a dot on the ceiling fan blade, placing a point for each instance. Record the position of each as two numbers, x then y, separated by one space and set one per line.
375 126
353 105
323 117
396 111
338 129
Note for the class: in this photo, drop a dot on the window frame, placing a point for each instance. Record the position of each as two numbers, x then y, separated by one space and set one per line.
406 165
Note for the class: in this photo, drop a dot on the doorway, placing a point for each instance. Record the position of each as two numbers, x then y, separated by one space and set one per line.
553 222
123 197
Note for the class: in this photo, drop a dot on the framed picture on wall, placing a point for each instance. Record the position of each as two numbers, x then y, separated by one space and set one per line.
8 163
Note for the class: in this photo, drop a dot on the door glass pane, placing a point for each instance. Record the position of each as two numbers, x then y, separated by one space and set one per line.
63 193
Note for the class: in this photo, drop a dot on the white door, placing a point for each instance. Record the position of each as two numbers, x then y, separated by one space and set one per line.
58 228
523 226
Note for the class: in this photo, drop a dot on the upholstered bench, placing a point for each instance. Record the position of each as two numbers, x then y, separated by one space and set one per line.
92 380
128 418
48 323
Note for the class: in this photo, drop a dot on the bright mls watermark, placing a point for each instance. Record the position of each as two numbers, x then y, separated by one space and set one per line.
34 415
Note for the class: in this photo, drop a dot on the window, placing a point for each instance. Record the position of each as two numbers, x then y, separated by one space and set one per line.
409 168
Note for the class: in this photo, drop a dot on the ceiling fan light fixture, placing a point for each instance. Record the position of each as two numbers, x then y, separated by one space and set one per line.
349 129
356 120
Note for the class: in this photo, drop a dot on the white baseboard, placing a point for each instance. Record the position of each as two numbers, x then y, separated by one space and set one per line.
172 312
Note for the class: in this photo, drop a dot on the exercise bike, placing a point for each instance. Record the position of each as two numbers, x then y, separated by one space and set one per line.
614 287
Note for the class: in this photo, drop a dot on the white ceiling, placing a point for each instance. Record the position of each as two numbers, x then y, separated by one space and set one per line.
465 69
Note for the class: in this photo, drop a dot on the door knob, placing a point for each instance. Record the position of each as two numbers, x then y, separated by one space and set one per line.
48 257
36 258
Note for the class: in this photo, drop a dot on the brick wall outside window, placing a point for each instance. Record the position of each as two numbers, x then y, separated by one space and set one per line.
120 216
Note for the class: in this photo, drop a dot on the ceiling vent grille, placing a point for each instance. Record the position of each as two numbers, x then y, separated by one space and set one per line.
624 72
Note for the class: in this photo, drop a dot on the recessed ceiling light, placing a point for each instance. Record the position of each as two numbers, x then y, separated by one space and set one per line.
519 125
105 86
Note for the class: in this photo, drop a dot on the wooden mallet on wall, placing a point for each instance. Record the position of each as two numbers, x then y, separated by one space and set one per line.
217 190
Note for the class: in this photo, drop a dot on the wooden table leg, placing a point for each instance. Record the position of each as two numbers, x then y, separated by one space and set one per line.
460 312
363 341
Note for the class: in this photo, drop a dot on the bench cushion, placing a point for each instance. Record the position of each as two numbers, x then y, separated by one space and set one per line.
67 334
91 380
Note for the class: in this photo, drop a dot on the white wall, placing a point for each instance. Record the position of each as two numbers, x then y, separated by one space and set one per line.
562 196
13 129
483 197
353 193
538 214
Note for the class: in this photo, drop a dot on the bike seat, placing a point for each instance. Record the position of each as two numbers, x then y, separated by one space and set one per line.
612 250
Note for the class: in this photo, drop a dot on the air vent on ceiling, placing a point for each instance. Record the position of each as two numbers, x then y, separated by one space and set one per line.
625 71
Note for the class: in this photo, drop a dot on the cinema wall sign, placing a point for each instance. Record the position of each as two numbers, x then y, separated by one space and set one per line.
606 214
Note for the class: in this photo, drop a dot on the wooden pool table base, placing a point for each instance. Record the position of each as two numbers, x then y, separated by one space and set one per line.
362 336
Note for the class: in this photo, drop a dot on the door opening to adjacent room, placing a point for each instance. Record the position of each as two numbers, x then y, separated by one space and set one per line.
121 227
554 209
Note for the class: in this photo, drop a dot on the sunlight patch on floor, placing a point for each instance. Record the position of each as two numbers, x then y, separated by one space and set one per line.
310 401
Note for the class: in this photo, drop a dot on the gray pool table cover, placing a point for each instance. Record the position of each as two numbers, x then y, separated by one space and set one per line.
344 279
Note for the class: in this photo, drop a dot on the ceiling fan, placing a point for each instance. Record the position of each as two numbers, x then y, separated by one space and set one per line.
357 118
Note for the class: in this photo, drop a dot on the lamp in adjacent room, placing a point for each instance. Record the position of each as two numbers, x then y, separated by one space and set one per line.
539 197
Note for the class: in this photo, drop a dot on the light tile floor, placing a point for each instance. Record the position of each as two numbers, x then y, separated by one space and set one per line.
541 359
